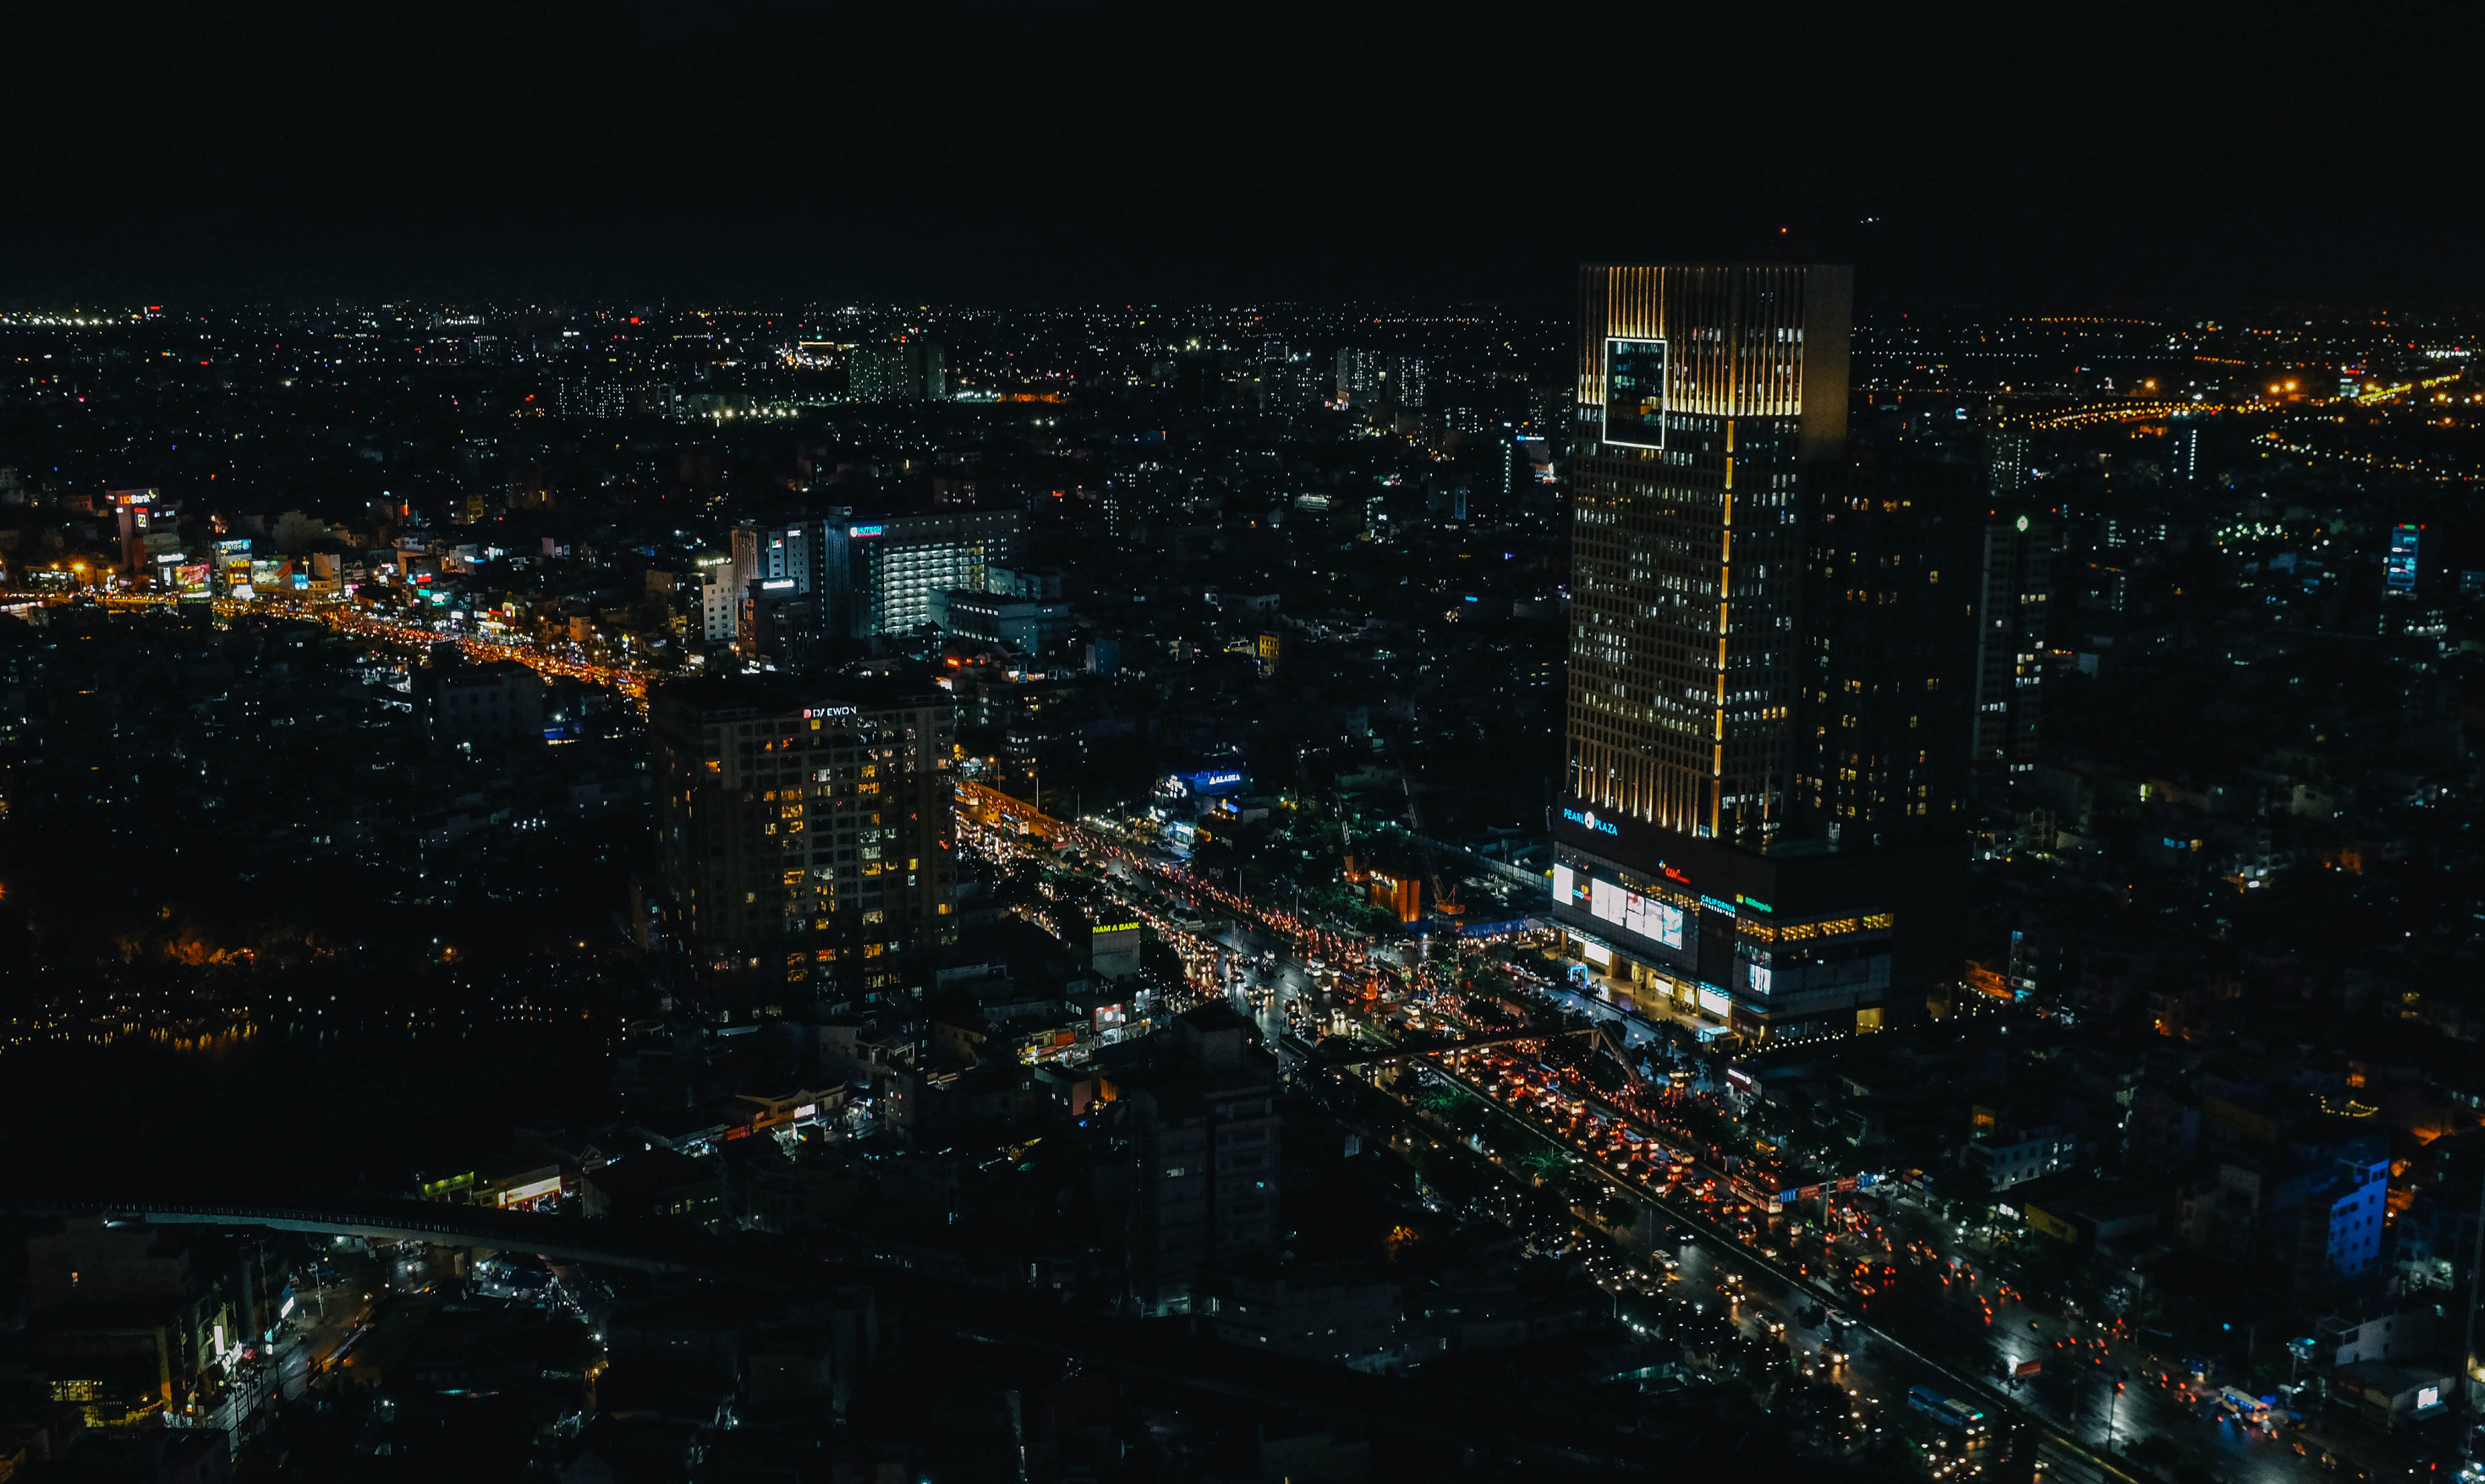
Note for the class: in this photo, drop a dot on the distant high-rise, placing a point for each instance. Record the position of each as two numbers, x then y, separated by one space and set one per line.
2006 459
2014 601
1384 382
882 574
2183 450
915 370
1767 661
578 395
803 832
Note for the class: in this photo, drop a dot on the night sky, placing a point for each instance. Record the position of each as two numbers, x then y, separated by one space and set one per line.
1015 152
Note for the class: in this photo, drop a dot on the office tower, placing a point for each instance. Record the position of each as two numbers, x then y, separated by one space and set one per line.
913 370
1706 396
803 832
1031 626
775 571
1201 1112
1694 857
776 623
1891 564
2015 600
766 553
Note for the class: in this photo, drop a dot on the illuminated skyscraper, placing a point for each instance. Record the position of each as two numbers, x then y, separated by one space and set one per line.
1704 395
1768 661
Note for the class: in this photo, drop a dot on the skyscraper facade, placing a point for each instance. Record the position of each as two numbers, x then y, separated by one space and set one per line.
1759 825
1704 395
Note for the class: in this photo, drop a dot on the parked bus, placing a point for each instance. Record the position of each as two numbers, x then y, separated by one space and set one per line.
1948 1410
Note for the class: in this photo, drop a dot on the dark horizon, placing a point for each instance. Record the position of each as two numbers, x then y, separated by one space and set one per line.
1015 154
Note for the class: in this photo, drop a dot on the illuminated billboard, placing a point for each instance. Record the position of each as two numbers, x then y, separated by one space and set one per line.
1658 922
1207 783
1635 394
533 1190
2399 568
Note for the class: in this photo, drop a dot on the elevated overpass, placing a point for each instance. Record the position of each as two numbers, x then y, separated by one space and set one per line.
989 1307
391 1220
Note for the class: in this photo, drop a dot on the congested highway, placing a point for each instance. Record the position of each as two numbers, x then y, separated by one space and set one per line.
1852 1289
1870 1290
568 661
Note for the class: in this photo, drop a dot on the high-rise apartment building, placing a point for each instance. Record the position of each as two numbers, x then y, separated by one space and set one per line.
1386 382
915 370
803 832
1727 679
